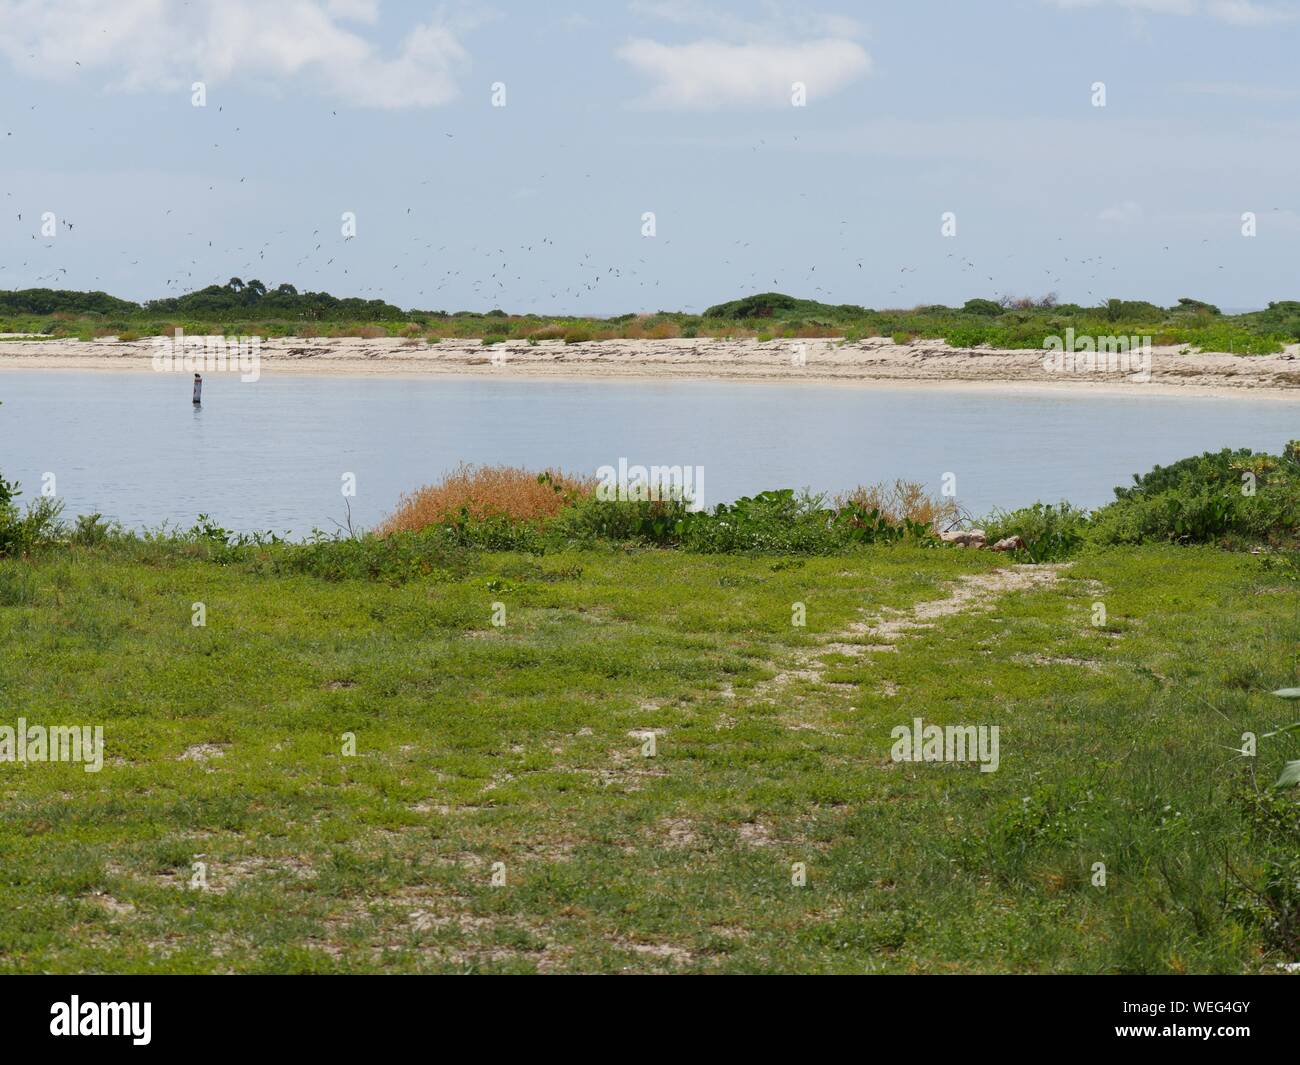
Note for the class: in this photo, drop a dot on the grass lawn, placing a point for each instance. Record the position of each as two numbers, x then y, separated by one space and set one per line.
522 744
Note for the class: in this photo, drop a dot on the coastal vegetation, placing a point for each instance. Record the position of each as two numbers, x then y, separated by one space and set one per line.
252 308
521 730
1235 499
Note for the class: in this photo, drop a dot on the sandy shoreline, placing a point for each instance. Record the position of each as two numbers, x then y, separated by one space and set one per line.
876 361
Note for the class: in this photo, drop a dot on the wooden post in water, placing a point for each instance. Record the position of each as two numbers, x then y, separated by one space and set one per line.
198 390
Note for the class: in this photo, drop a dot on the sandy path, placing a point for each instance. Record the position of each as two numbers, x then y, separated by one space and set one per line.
877 361
972 592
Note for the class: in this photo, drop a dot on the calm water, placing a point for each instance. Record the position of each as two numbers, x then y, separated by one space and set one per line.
271 455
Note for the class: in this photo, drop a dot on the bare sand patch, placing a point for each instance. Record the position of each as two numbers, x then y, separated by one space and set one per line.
876 360
970 592
201 752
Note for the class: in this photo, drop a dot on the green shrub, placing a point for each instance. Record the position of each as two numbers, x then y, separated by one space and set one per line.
21 532
1049 532
1198 307
658 523
1223 495
968 336
392 559
8 516
90 530
1268 894
777 522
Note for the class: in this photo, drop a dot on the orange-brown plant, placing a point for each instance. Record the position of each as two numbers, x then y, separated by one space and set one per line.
642 329
487 492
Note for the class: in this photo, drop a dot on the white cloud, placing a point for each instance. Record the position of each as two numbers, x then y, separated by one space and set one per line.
150 45
1159 7
745 62
778 22
709 75
1234 12
1246 13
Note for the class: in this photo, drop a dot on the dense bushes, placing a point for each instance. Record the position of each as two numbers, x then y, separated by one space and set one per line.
8 514
779 522
1226 495
43 301
510 508
235 297
1229 498
19 531
1233 498
778 304
1049 532
253 308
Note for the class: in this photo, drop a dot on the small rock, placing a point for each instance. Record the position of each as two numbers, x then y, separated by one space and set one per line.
1011 543
965 537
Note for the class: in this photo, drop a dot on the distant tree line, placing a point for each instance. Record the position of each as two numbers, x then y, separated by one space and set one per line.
52 301
236 297
1006 321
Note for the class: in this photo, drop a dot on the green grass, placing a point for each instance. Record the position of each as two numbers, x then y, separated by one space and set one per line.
521 744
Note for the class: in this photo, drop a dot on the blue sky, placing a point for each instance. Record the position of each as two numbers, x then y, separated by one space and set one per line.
915 108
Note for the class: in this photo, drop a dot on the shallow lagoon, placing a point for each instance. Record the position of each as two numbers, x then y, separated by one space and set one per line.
272 454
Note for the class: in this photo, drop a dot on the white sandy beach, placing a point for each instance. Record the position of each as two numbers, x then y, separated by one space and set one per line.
877 361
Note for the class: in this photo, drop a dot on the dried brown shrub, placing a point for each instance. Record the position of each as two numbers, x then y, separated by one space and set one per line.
664 330
640 329
903 499
728 332
488 491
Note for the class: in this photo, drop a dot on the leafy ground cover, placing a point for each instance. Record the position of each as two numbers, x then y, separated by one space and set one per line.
524 744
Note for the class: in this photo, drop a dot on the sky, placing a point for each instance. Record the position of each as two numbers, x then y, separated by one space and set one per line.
887 154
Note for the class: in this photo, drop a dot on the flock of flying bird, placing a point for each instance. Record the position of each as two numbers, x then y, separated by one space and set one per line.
490 275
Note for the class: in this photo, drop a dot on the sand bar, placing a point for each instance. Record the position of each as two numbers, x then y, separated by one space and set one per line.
877 360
